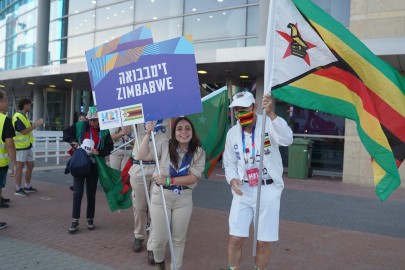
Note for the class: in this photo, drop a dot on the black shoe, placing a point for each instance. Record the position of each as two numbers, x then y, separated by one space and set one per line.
4 205
4 200
137 245
74 227
160 266
20 192
151 259
3 225
30 190
71 188
90 224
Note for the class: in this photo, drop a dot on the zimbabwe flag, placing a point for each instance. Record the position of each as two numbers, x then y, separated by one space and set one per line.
314 62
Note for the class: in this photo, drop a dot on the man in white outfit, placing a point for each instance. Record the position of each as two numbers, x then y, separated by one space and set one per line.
241 160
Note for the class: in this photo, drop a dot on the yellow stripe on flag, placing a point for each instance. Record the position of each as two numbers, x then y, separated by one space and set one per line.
371 76
379 172
331 88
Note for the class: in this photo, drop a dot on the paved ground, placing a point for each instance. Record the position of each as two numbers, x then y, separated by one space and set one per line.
325 224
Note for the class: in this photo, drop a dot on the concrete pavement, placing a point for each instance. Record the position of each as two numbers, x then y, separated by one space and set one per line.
325 224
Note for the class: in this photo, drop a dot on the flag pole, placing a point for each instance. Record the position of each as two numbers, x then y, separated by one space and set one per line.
164 206
121 146
266 91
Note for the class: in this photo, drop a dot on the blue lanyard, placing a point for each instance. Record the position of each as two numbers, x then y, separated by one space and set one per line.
183 170
253 145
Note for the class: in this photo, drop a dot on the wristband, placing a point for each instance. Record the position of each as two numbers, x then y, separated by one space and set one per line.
171 180
167 181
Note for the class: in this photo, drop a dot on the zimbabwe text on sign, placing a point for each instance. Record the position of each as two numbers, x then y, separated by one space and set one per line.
160 76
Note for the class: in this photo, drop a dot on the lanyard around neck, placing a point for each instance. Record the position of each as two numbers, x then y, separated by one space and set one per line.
253 145
185 164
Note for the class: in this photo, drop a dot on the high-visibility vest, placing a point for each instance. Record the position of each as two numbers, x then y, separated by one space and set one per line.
3 148
22 141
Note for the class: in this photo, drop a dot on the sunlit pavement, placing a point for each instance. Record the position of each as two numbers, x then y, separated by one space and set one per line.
325 224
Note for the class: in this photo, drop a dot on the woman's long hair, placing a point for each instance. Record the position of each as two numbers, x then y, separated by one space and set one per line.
173 143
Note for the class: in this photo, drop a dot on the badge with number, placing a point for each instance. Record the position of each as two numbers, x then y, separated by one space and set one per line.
253 176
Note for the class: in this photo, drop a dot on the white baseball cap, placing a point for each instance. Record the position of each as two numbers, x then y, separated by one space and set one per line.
87 145
242 99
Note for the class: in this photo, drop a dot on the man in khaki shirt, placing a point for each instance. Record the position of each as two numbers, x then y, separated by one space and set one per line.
139 200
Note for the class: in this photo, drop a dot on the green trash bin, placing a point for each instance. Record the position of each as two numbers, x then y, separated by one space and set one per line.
299 158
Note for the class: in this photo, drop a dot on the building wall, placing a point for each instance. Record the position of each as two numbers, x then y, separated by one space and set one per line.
370 19
377 18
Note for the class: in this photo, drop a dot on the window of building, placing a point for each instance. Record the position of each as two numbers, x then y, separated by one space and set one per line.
58 9
79 44
165 29
77 6
108 35
157 9
57 51
2 63
58 29
252 20
192 6
81 23
115 15
340 10
233 43
216 24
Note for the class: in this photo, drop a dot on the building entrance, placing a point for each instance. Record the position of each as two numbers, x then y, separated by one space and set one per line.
55 110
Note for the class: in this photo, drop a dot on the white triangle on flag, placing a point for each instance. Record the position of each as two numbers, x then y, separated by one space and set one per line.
292 46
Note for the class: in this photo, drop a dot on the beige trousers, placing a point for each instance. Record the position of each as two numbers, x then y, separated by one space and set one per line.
179 209
119 158
139 201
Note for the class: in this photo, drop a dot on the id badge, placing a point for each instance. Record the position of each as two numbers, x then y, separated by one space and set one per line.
253 176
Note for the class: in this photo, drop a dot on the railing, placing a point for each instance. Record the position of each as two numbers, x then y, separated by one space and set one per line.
50 144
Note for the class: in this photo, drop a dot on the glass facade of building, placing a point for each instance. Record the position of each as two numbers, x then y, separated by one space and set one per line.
78 25
17 34
91 23
212 23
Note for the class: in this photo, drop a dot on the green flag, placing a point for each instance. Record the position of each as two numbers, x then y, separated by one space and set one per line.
212 125
110 180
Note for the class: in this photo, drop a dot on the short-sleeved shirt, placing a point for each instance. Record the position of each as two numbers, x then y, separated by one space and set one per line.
8 129
197 165
120 141
162 134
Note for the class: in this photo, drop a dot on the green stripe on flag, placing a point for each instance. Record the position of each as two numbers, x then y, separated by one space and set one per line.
212 125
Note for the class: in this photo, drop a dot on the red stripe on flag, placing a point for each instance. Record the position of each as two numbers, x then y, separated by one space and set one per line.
372 103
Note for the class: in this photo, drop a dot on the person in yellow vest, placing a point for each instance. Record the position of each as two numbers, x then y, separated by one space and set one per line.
7 148
23 144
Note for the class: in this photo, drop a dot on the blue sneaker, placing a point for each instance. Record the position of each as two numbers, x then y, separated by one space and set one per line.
30 190
3 225
20 192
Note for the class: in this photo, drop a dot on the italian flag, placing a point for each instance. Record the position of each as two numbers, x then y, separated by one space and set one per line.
314 62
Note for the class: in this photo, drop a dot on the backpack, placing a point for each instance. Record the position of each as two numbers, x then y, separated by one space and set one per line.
79 164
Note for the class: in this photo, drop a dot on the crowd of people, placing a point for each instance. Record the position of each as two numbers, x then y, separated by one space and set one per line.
164 173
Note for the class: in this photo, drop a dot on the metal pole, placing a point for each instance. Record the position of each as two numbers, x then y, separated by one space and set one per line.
259 186
266 91
164 206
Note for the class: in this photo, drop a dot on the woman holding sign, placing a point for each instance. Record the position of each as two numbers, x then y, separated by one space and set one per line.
182 162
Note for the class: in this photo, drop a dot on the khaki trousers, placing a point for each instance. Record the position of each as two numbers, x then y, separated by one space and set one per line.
179 209
139 201
119 158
